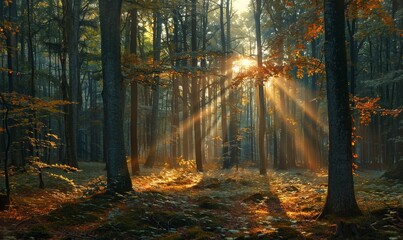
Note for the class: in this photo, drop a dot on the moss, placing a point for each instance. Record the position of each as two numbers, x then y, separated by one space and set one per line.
129 221
169 219
206 202
74 214
287 233
211 183
189 233
257 197
210 221
35 232
137 221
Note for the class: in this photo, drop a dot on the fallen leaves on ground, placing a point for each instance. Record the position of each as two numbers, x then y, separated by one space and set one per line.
183 204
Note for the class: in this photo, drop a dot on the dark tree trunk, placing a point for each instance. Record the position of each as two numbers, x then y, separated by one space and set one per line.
152 155
223 90
134 156
11 40
340 200
185 85
5 199
71 9
118 178
233 98
260 93
195 94
282 163
175 145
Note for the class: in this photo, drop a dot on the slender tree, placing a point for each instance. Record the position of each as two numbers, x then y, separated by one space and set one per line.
5 199
260 93
223 90
11 40
134 99
152 155
340 200
195 93
118 178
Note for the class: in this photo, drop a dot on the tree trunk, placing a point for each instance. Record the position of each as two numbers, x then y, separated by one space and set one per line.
134 156
11 40
185 85
152 155
195 94
260 93
175 152
223 90
340 200
5 200
118 178
71 12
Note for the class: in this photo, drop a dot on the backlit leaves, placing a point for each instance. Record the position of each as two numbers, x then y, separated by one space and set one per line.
367 107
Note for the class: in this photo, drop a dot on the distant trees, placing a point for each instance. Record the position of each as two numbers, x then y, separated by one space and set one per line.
117 172
186 102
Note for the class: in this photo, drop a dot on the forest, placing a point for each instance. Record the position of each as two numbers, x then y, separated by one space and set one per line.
208 119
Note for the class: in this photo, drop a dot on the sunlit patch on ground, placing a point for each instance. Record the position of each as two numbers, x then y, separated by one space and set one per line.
182 204
167 180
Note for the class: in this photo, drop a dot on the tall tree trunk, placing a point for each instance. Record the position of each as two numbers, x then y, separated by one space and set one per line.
175 152
31 59
6 201
195 94
260 93
134 156
71 9
185 93
152 155
233 98
340 200
11 40
205 83
118 178
223 90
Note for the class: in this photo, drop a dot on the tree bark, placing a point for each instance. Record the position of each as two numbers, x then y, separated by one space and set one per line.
118 178
195 94
260 93
71 12
152 155
11 41
223 90
340 200
134 156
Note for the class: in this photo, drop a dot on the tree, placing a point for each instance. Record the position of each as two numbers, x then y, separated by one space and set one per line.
118 179
224 130
134 156
195 93
152 155
5 199
260 93
340 200
11 39
71 11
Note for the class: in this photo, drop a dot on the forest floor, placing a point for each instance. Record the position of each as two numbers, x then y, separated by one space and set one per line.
183 204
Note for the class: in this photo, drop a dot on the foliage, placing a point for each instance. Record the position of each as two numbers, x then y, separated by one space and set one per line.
367 107
242 203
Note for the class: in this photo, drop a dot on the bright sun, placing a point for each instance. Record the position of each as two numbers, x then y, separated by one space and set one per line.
240 6
242 63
